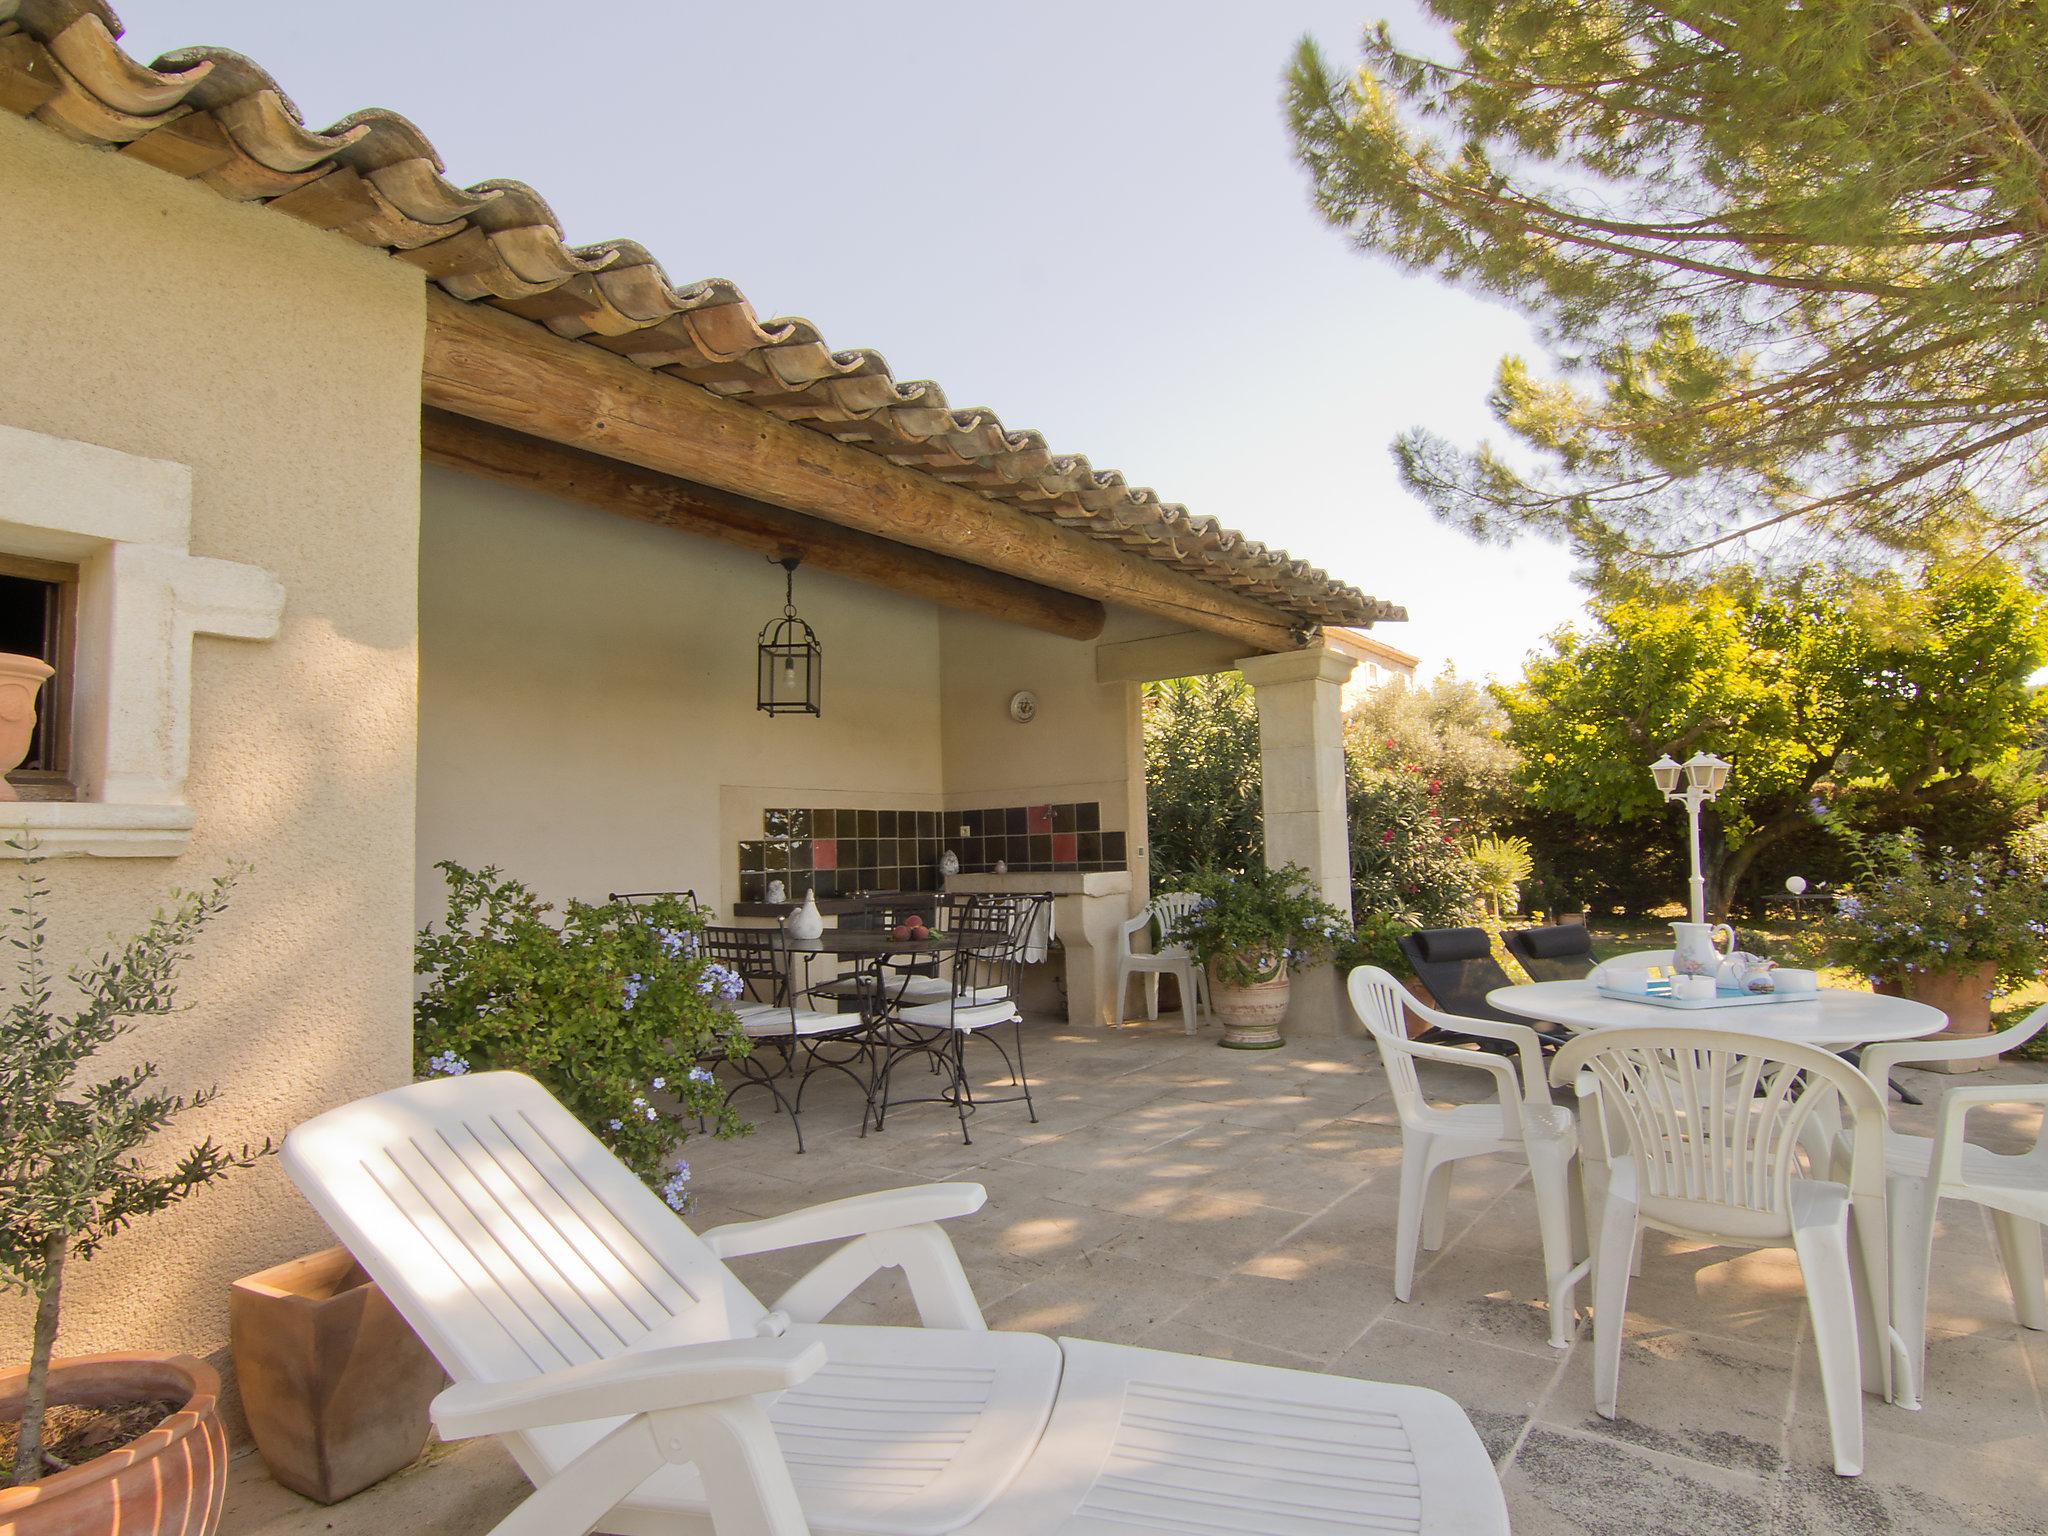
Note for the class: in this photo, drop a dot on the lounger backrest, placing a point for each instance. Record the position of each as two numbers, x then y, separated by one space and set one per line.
1458 967
505 1233
1563 952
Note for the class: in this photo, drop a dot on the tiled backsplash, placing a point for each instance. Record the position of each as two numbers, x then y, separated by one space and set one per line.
839 852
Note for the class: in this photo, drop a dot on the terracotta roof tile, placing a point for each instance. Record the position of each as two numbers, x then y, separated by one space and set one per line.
213 116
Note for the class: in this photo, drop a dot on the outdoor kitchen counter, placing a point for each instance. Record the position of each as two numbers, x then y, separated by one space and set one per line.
1086 911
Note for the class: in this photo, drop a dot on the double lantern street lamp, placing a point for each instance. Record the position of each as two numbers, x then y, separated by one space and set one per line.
1705 775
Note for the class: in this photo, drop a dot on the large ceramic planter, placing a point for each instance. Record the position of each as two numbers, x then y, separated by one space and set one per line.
21 677
1963 996
171 1482
336 1385
1250 1015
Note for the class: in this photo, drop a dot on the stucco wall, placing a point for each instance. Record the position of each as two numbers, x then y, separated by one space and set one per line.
587 697
281 364
1084 745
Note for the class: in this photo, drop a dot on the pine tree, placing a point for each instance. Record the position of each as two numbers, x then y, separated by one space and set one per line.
1790 262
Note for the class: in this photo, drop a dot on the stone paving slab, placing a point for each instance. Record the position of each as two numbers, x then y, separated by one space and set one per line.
1241 1205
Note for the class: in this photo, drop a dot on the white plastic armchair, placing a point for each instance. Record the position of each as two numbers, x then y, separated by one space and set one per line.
1521 1119
1707 1127
1164 959
1922 1171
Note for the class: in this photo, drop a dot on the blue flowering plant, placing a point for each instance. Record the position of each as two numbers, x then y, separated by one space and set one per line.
1915 910
1255 927
613 1006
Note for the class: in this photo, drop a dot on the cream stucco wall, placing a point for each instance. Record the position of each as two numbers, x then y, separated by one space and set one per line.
281 365
587 698
1084 744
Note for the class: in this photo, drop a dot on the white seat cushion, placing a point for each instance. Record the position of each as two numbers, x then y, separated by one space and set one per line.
930 989
905 1432
768 1023
968 1017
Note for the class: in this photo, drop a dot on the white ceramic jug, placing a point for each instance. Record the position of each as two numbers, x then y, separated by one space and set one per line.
1696 947
806 925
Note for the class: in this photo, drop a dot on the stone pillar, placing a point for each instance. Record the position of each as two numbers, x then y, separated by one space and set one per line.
1301 760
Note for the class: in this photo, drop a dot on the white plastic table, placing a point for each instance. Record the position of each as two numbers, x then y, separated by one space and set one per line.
1834 1018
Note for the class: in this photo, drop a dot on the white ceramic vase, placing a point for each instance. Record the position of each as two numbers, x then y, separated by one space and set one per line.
806 925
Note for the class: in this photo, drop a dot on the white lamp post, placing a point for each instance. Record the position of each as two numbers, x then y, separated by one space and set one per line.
1705 774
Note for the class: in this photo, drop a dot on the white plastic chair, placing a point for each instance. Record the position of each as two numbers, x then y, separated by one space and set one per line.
1163 960
1704 1129
1923 1171
1521 1119
643 1389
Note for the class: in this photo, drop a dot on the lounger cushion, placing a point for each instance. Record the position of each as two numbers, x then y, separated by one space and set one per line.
1556 943
1448 944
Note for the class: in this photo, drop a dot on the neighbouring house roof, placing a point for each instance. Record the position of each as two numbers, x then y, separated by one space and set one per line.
215 117
1361 645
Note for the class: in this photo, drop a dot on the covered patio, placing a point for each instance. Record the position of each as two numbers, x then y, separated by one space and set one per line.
1184 1198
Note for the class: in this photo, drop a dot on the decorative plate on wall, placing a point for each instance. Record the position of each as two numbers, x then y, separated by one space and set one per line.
1024 706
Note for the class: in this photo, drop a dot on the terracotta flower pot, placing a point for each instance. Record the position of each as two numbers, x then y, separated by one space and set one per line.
1962 995
21 677
336 1385
171 1482
1250 1015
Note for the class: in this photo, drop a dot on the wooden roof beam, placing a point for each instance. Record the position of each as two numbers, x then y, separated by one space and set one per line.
494 367
513 458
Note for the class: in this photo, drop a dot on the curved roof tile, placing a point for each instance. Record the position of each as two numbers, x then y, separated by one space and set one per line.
214 116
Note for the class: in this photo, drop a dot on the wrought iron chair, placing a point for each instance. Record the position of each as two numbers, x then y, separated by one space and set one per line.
771 1019
987 973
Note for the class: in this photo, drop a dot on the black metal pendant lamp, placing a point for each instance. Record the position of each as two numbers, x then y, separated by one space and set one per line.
791 660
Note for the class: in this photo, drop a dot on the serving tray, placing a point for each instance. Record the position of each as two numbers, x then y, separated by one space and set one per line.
1718 1000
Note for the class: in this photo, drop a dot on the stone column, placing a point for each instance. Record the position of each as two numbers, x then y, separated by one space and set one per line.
1301 760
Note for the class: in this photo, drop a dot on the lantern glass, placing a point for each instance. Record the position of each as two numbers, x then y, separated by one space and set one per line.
1706 773
792 666
1665 771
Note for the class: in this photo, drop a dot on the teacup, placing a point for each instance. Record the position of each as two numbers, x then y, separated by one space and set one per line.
1693 989
1625 979
1798 981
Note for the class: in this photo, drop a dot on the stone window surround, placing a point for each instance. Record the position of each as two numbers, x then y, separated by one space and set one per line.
126 522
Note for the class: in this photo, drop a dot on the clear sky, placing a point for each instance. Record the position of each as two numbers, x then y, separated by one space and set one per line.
1084 216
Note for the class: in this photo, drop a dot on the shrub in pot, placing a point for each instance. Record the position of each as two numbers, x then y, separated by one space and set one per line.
1252 931
1945 928
73 1173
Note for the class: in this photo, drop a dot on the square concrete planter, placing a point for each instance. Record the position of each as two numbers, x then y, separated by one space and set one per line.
335 1384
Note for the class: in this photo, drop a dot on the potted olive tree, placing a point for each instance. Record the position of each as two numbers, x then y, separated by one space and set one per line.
1253 931
129 1442
1944 928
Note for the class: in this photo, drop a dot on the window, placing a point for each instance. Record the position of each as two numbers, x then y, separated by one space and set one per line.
39 617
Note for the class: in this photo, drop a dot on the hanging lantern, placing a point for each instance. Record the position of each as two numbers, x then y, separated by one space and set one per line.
791 660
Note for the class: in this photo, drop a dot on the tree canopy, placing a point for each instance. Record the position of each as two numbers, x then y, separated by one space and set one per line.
1202 785
1791 262
1887 700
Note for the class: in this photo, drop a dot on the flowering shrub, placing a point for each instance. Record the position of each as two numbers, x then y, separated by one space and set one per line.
1911 910
1253 927
614 1009
1405 853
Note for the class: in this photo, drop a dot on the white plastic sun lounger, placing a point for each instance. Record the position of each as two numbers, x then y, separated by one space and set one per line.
646 1392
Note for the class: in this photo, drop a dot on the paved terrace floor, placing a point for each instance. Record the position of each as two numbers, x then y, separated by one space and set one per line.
1242 1205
